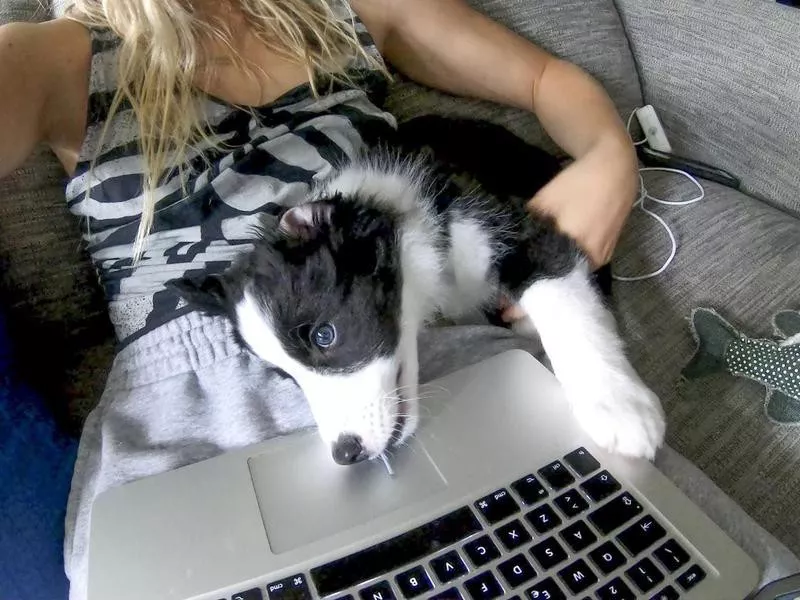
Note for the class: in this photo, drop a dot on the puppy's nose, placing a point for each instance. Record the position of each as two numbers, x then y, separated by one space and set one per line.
347 450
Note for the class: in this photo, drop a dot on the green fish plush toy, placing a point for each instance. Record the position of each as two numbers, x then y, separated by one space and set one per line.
773 363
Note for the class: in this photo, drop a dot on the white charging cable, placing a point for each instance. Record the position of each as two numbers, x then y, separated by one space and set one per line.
644 195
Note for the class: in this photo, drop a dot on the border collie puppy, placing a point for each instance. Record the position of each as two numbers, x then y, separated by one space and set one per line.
336 290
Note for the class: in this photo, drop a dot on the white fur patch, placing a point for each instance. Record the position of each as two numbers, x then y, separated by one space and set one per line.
362 403
466 287
608 398
397 185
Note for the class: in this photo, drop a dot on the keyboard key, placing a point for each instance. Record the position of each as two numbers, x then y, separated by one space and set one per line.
512 535
578 576
607 557
549 553
543 519
530 490
348 597
379 591
641 535
401 550
517 570
546 590
582 462
451 594
497 506
254 594
483 587
557 475
600 486
668 593
578 536
691 577
615 513
571 503
414 582
291 588
645 575
448 566
671 555
481 551
616 589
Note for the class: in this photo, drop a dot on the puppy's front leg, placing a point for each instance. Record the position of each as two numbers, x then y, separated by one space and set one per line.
579 335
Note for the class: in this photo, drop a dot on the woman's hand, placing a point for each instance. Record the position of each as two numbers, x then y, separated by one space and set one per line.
590 201
592 198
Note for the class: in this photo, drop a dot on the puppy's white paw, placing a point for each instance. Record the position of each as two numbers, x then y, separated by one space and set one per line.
622 415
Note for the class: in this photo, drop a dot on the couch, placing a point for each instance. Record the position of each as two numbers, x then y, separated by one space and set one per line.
722 76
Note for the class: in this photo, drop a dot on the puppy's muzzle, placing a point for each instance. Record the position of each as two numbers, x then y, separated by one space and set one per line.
348 450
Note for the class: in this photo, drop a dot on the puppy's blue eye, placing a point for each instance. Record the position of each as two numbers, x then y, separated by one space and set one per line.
324 335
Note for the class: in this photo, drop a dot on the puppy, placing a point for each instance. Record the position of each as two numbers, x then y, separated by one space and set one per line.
336 290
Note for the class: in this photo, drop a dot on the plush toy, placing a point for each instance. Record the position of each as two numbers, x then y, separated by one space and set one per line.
773 363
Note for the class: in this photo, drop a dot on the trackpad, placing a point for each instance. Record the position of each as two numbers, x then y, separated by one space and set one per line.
304 496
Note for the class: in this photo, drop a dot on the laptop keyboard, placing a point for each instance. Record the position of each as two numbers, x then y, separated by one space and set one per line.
569 530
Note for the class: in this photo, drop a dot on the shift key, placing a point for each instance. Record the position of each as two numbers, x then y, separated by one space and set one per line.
615 513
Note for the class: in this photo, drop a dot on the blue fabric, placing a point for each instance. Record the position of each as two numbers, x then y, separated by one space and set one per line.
35 472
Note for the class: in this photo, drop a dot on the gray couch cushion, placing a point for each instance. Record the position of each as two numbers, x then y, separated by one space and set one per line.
586 32
723 76
741 257
59 324
23 10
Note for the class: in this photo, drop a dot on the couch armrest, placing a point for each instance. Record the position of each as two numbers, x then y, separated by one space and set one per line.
724 79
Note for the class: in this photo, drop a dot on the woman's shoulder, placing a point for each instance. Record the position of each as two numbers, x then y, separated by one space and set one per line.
57 61
377 16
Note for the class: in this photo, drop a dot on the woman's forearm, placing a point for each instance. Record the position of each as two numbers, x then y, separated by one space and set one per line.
577 112
449 46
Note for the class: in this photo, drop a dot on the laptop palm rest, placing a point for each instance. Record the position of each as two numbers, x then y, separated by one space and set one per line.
302 505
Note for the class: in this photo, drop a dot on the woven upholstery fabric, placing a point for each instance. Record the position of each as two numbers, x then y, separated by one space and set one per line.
723 77
741 257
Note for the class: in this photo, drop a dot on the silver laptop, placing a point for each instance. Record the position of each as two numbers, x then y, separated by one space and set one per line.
499 495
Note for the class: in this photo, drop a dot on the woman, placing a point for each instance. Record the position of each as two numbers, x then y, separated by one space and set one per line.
198 117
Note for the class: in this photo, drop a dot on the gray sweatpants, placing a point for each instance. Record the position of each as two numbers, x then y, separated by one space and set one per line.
187 391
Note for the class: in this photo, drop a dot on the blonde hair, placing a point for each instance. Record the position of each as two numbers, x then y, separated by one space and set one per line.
163 50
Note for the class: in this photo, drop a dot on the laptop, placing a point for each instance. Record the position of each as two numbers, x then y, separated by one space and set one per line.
499 495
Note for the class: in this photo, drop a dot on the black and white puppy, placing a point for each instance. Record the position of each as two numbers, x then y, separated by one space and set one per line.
337 289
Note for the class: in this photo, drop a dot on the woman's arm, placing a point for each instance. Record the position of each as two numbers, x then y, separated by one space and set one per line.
43 74
447 45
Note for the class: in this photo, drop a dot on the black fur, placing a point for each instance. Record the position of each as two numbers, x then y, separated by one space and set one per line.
508 170
345 271
502 164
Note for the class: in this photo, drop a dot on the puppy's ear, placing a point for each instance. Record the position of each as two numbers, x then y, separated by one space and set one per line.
304 222
209 295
